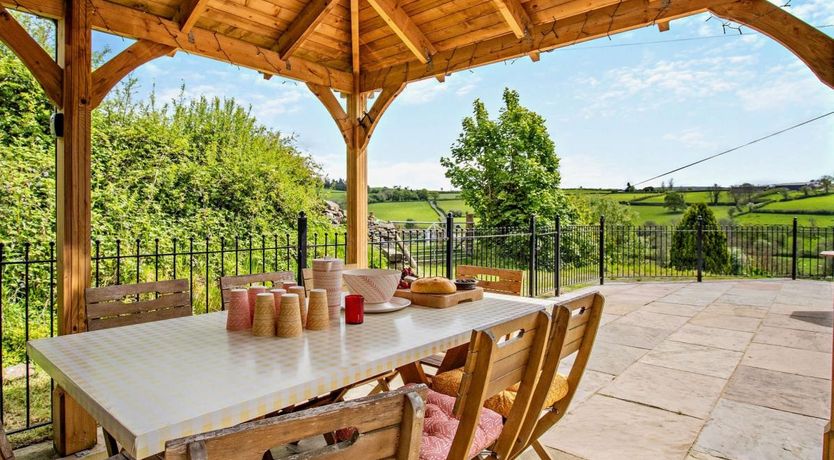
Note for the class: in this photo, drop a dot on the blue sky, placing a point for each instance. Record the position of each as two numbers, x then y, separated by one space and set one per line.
616 112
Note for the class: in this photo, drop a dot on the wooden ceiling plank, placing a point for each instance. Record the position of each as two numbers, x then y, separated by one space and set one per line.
310 17
36 59
402 25
112 71
128 22
190 12
628 15
354 38
515 16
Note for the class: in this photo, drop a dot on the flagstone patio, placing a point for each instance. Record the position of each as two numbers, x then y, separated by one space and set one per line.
716 370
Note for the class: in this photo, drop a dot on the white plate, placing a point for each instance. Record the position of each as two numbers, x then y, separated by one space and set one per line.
395 304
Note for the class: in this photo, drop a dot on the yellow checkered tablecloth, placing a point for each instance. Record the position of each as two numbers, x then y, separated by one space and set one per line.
150 383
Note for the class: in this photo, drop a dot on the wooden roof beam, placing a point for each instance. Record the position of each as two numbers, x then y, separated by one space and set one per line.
402 25
190 12
621 17
334 108
124 21
45 70
515 16
106 76
303 25
663 26
809 44
370 120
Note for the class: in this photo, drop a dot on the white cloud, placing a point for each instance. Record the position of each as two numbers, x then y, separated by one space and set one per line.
690 137
790 85
425 91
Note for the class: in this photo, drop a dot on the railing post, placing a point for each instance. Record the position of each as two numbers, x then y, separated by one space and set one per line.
450 243
601 250
557 257
794 251
302 246
700 248
531 267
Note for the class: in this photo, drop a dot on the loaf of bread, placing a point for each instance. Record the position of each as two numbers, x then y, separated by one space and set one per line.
434 285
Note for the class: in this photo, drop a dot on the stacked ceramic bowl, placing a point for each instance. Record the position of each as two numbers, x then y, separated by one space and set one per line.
377 286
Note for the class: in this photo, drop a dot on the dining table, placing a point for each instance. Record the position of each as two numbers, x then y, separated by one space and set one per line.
150 383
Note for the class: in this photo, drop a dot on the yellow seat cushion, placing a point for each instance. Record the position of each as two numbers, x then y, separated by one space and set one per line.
448 383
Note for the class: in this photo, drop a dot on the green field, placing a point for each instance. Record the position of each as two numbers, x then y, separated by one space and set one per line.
662 216
443 196
337 196
784 219
419 211
454 205
817 203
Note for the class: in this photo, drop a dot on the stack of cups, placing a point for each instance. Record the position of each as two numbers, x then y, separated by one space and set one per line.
277 293
254 290
264 322
302 301
237 318
327 274
318 317
289 317
288 284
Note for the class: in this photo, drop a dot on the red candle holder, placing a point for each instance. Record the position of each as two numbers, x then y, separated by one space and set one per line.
354 309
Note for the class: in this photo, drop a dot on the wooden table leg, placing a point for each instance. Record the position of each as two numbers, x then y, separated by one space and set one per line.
74 429
413 373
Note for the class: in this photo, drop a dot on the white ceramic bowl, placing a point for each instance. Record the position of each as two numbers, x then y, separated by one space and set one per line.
375 285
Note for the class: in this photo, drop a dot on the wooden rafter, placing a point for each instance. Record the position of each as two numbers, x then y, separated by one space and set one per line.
663 26
354 39
515 16
402 25
334 108
370 120
190 12
36 59
627 15
106 76
307 21
808 43
132 23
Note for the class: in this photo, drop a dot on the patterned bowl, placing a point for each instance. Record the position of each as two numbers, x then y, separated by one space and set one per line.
375 285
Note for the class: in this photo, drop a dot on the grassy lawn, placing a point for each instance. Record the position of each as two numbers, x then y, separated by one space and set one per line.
454 205
662 216
448 196
420 211
785 219
334 195
817 203
14 393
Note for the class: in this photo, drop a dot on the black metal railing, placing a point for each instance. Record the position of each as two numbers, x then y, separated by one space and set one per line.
553 257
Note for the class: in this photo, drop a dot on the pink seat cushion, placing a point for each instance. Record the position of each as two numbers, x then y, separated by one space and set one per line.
440 426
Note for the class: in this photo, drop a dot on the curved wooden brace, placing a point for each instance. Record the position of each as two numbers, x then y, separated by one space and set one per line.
328 99
371 119
37 60
811 46
106 76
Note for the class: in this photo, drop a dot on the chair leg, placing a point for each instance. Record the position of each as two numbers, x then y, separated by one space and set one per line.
110 443
540 450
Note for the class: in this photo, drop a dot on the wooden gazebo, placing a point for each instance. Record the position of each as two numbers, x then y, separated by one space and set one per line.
352 47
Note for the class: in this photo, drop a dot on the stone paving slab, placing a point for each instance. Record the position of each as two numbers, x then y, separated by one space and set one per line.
748 432
779 390
609 428
796 322
790 360
712 337
673 390
804 340
725 321
673 308
613 358
715 362
631 335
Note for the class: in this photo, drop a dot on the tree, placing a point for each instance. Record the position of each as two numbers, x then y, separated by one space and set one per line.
507 168
674 201
684 251
825 183
715 194
629 187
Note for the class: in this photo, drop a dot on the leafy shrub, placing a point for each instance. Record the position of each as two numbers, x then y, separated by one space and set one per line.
684 251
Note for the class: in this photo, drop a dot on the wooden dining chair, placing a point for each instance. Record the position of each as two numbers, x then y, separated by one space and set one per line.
509 354
127 304
228 283
586 312
497 280
387 425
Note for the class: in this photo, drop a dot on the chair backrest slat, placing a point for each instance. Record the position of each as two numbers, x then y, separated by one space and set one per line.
498 280
228 283
387 425
501 356
582 315
127 304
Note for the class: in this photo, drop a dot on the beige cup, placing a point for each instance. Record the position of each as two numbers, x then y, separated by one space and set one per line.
302 301
277 293
264 322
289 318
318 317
